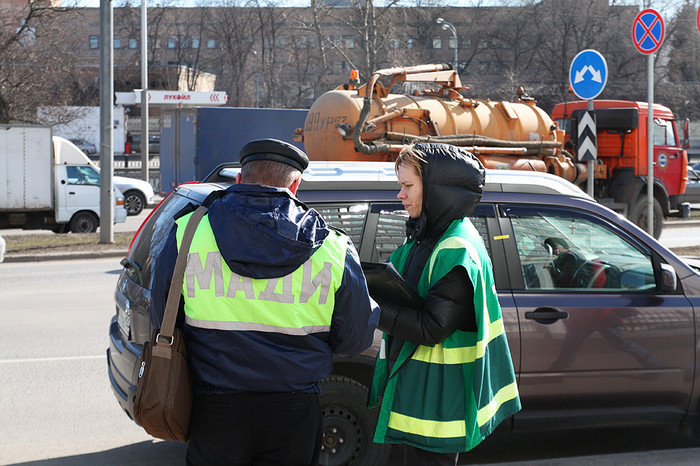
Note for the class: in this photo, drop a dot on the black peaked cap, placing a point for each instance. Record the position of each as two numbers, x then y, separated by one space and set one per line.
276 150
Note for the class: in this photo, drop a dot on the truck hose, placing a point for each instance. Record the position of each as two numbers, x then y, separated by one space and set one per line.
473 140
373 148
360 146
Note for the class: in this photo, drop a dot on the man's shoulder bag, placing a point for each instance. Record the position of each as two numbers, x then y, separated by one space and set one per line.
164 388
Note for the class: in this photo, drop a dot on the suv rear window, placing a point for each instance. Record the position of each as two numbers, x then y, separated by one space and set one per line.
151 239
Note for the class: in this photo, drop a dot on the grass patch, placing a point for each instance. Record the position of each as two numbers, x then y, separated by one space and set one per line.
42 243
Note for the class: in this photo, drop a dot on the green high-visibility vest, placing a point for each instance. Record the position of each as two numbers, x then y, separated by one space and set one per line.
450 396
299 303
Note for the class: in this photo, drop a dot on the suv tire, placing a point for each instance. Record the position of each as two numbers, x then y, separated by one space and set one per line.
348 426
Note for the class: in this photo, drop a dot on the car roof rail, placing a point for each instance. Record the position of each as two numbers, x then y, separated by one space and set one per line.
381 175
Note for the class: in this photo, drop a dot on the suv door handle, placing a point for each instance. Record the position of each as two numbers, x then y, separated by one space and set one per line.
546 315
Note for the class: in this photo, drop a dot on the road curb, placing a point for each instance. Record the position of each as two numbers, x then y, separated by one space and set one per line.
682 223
61 256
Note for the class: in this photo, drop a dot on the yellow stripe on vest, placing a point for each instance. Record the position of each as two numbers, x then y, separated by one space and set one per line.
457 242
424 428
453 242
504 395
438 354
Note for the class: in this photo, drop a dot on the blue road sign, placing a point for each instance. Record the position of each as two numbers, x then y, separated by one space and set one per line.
648 31
588 74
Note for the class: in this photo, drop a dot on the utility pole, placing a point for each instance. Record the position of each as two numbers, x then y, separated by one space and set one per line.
106 121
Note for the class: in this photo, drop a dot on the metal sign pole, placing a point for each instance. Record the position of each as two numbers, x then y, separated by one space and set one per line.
144 93
590 163
648 34
650 145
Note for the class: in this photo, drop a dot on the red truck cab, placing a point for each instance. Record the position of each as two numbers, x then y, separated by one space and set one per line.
621 168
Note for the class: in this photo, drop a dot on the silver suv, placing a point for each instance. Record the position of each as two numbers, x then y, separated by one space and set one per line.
600 317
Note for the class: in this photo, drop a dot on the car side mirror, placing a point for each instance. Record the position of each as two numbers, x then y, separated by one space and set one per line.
669 280
686 134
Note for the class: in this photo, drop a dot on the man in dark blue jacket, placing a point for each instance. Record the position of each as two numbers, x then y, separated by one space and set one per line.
270 293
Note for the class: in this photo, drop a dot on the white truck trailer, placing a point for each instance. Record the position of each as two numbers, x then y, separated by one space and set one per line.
46 182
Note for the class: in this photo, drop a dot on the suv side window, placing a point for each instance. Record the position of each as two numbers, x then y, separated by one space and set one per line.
349 218
391 228
390 232
560 249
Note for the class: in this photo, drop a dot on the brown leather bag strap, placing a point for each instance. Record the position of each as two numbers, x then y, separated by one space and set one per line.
173 303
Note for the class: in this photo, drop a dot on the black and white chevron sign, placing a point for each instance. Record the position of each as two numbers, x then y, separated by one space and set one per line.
587 147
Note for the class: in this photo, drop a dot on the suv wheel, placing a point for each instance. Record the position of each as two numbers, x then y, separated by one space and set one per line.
134 202
348 426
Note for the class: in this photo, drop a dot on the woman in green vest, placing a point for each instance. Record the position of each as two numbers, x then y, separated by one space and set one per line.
444 375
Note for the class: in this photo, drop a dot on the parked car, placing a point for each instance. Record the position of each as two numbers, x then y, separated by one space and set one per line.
3 248
87 147
603 334
138 194
153 143
692 187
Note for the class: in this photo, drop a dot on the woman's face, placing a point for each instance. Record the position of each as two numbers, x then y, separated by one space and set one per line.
411 193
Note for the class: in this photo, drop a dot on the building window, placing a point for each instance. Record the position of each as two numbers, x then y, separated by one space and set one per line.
342 67
133 44
195 42
117 42
94 42
211 43
306 42
437 43
349 42
184 42
394 43
452 43
409 43
172 42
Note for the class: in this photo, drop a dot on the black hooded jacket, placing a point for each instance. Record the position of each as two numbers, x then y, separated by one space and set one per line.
453 181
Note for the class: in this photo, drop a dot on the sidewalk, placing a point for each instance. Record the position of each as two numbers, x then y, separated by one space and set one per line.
681 222
59 256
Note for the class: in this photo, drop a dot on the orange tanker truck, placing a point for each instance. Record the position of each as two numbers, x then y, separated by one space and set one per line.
370 123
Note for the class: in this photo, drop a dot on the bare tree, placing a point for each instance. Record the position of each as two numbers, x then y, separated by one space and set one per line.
29 40
679 86
235 27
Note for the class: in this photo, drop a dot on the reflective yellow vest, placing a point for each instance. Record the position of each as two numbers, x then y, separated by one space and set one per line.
299 303
450 396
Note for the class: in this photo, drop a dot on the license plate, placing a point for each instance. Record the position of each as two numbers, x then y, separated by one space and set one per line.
124 320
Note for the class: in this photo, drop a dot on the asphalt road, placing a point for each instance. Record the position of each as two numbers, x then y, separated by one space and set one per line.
58 408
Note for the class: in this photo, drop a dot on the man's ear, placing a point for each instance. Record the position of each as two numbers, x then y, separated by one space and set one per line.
294 186
238 178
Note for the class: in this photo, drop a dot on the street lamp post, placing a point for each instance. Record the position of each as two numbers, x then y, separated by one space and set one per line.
448 26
